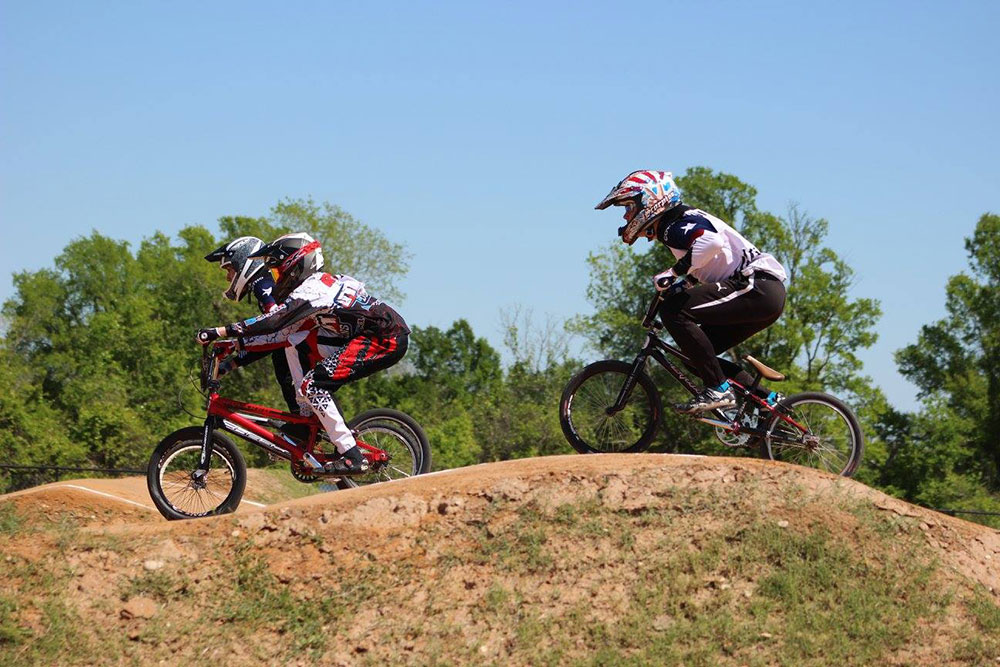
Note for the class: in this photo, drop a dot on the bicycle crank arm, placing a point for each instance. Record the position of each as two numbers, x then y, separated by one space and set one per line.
718 423
311 461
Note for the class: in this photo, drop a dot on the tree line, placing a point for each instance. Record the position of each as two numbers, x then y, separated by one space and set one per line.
97 360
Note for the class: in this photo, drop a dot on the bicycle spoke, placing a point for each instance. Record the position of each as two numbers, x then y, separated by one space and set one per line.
179 489
591 421
828 443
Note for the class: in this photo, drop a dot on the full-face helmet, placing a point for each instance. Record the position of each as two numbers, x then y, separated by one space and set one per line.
646 195
240 268
292 258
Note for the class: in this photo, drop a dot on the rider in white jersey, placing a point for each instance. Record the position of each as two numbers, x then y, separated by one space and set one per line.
740 289
711 250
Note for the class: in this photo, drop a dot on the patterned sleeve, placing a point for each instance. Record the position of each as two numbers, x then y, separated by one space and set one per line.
276 340
282 317
697 235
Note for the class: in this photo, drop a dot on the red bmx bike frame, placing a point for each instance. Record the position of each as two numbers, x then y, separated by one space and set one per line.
248 420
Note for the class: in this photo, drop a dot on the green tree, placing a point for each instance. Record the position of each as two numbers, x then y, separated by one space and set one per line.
955 439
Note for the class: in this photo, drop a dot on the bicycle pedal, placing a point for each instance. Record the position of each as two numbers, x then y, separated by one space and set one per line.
313 463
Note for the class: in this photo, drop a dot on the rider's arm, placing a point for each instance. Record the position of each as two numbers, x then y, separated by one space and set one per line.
278 339
263 291
288 313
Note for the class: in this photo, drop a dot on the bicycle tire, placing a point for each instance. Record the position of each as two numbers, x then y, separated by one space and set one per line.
635 429
187 442
398 431
843 451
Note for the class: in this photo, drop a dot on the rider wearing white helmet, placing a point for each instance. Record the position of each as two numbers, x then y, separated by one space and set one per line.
248 276
740 290
351 334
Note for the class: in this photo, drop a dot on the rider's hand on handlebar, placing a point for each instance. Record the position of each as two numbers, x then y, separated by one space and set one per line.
664 280
206 336
668 282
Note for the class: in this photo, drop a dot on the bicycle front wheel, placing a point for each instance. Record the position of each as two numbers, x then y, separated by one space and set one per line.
178 492
397 434
588 422
817 431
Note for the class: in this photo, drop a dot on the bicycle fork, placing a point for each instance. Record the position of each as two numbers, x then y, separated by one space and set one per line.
199 474
637 366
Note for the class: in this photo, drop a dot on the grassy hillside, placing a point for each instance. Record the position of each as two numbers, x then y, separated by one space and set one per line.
564 560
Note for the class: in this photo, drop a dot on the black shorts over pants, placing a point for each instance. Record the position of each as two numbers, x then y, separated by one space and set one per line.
709 318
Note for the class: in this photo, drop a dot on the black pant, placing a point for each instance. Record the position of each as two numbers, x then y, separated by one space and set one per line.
284 377
708 319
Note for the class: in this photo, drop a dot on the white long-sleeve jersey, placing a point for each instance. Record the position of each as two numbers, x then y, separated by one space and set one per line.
711 251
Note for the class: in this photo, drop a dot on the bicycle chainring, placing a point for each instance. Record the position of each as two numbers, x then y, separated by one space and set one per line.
730 439
299 473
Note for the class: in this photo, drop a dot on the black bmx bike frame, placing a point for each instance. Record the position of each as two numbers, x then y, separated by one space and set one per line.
655 348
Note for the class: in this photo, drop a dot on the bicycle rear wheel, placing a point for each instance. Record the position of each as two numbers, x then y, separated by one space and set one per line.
175 491
816 431
397 434
584 411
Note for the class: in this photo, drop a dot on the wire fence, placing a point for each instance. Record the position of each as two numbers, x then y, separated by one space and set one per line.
952 512
25 476
35 472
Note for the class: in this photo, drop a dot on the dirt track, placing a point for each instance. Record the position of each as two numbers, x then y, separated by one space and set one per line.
455 564
121 501
972 549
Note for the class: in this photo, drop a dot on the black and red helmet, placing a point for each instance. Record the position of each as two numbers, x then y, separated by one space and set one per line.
292 258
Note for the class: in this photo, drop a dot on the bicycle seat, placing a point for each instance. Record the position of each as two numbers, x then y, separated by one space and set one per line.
765 371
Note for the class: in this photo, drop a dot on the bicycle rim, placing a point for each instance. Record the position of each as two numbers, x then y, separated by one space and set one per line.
604 432
829 444
401 446
179 489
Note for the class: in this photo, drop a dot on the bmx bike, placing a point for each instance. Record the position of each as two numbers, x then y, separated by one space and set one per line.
614 406
198 471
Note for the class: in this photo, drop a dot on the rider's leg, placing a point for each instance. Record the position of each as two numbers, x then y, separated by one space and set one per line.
708 319
283 374
359 358
290 364
299 359
724 338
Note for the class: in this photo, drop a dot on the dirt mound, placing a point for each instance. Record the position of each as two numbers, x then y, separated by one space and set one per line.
602 559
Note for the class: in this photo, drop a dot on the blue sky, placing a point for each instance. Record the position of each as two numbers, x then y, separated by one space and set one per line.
482 134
